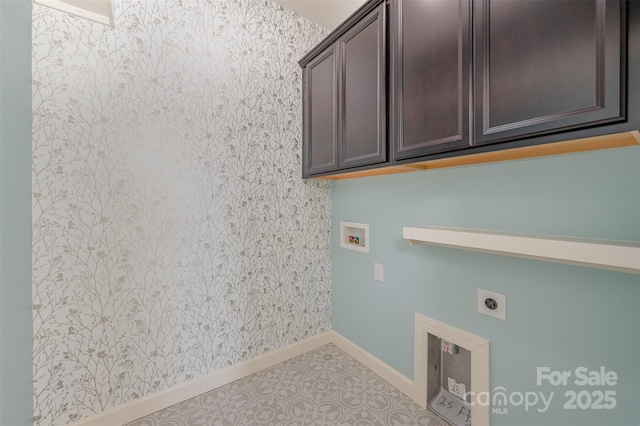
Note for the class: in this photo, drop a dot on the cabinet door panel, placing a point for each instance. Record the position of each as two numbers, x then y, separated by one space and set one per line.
545 66
431 71
363 103
321 114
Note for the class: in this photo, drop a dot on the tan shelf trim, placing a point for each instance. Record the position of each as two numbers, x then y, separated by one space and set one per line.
389 170
615 140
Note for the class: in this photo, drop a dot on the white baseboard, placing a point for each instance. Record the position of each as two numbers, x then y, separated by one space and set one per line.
388 373
150 404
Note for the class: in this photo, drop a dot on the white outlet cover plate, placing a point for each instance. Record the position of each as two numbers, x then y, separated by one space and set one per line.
378 272
500 312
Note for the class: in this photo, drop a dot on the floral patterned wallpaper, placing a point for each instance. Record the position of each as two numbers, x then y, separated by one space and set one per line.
172 233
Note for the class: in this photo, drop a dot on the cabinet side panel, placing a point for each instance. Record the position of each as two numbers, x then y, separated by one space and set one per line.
361 93
547 67
363 96
550 67
322 116
430 74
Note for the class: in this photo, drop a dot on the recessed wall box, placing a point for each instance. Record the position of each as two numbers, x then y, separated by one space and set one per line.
451 371
448 380
354 236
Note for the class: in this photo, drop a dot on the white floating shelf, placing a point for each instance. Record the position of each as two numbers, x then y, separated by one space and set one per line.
621 256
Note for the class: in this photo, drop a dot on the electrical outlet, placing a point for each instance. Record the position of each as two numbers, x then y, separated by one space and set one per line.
492 304
378 271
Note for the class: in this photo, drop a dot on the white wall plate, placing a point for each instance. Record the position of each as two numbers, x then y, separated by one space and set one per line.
354 236
492 304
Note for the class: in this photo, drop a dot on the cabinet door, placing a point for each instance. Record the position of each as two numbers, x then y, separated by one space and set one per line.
363 92
547 66
431 64
320 118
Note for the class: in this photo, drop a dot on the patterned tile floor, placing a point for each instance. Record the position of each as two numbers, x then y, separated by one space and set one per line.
322 387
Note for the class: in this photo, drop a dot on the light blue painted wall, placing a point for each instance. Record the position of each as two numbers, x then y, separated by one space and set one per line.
559 316
15 213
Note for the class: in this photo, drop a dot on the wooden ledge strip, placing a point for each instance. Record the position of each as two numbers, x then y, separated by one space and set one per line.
615 140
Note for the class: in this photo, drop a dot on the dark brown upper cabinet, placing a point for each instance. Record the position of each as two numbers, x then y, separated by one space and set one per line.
547 66
431 69
469 77
344 96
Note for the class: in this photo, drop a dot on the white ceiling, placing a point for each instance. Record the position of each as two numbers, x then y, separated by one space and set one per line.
326 13
96 10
